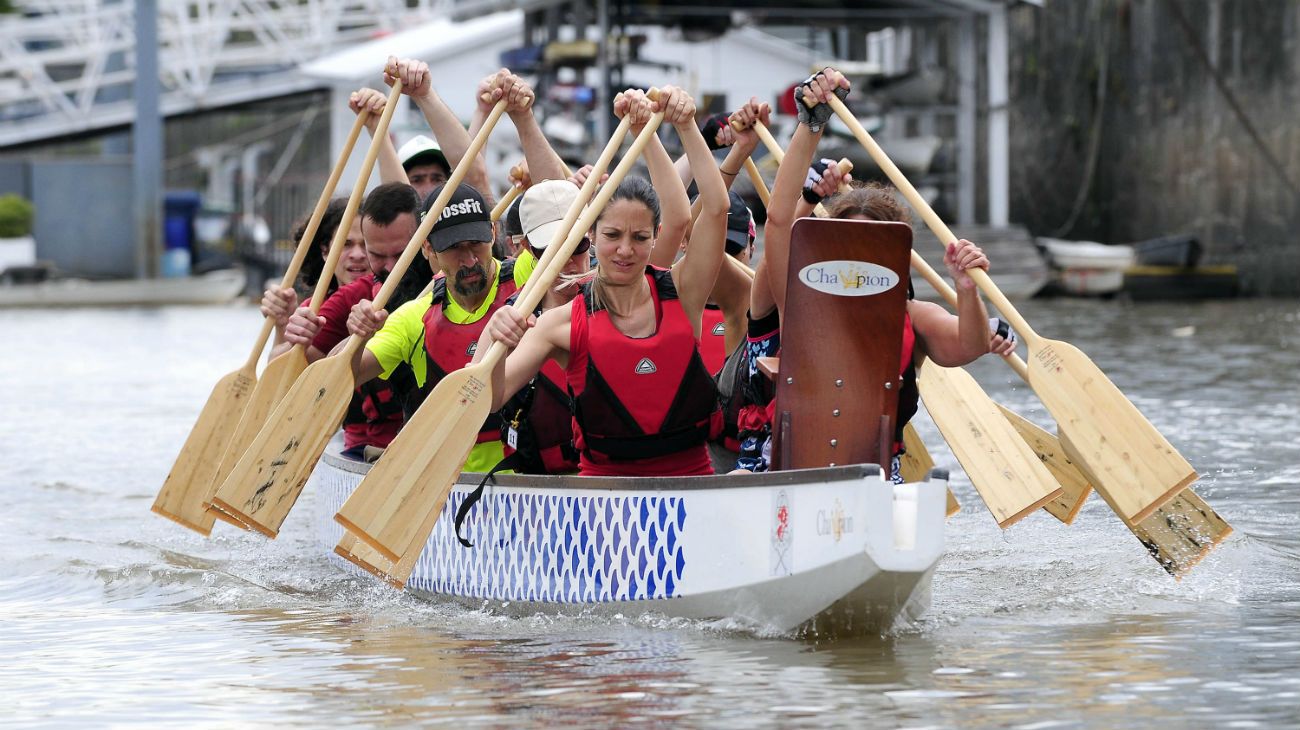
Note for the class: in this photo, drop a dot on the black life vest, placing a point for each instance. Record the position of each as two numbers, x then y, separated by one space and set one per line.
537 424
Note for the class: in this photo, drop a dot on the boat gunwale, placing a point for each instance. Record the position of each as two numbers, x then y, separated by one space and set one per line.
789 478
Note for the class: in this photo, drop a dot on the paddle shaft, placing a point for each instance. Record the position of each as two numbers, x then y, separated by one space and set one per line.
309 233
538 283
551 253
430 217
756 178
932 220
765 135
506 200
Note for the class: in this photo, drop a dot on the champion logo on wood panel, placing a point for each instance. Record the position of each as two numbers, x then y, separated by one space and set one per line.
645 367
848 278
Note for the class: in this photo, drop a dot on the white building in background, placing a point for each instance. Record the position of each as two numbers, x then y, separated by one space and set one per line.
742 63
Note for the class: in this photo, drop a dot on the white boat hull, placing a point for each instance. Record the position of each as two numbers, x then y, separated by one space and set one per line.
834 549
1088 268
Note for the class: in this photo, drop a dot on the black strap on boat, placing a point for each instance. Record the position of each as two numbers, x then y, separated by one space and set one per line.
471 499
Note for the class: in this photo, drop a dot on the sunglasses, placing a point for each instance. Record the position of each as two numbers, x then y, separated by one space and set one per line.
583 246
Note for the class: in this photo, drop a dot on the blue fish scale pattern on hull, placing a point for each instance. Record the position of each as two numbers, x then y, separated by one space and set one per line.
558 549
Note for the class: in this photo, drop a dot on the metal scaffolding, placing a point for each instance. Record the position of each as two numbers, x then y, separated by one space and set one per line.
67 66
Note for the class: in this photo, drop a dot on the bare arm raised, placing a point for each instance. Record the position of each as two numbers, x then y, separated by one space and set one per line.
674 206
452 138
695 273
786 193
952 341
390 167
543 162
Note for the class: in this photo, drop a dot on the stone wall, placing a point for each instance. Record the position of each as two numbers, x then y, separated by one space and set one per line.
1120 132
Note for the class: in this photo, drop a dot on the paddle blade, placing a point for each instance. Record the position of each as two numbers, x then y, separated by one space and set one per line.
267 479
1074 485
368 559
276 380
182 493
388 508
1008 476
1182 532
915 464
1178 534
1139 468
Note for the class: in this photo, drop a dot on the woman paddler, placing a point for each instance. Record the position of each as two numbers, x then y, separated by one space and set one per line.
629 341
929 331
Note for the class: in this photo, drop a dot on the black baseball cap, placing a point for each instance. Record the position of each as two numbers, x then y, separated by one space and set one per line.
740 225
466 218
514 226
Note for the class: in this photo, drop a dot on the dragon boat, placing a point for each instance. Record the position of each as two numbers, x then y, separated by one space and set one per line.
825 541
831 549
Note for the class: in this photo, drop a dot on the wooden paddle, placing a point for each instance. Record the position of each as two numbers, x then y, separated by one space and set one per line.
1178 535
398 572
266 482
1074 486
281 373
1006 474
416 480
504 204
1140 469
188 486
915 464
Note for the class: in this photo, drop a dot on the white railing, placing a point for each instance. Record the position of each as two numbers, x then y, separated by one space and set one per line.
68 65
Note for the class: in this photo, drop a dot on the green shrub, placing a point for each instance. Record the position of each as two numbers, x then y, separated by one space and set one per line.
16 215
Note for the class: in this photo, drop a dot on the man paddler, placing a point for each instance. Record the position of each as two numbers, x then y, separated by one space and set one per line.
387 222
438 332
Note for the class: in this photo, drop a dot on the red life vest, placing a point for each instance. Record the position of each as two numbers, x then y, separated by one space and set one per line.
713 338
642 406
373 417
449 346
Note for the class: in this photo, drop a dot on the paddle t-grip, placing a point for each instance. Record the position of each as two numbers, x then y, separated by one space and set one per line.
354 200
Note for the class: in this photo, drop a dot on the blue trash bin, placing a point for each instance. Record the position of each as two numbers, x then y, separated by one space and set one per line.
179 210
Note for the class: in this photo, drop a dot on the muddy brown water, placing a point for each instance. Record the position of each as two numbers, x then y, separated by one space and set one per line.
110 615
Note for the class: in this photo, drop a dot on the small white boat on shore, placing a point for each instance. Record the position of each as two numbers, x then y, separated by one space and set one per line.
1088 268
829 550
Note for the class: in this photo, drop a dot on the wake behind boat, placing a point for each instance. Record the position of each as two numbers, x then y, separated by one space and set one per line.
837 549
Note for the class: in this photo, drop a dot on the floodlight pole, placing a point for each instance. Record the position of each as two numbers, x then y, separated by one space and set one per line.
147 142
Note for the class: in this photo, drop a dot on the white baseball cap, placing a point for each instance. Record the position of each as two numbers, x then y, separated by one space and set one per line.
421 150
542 209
